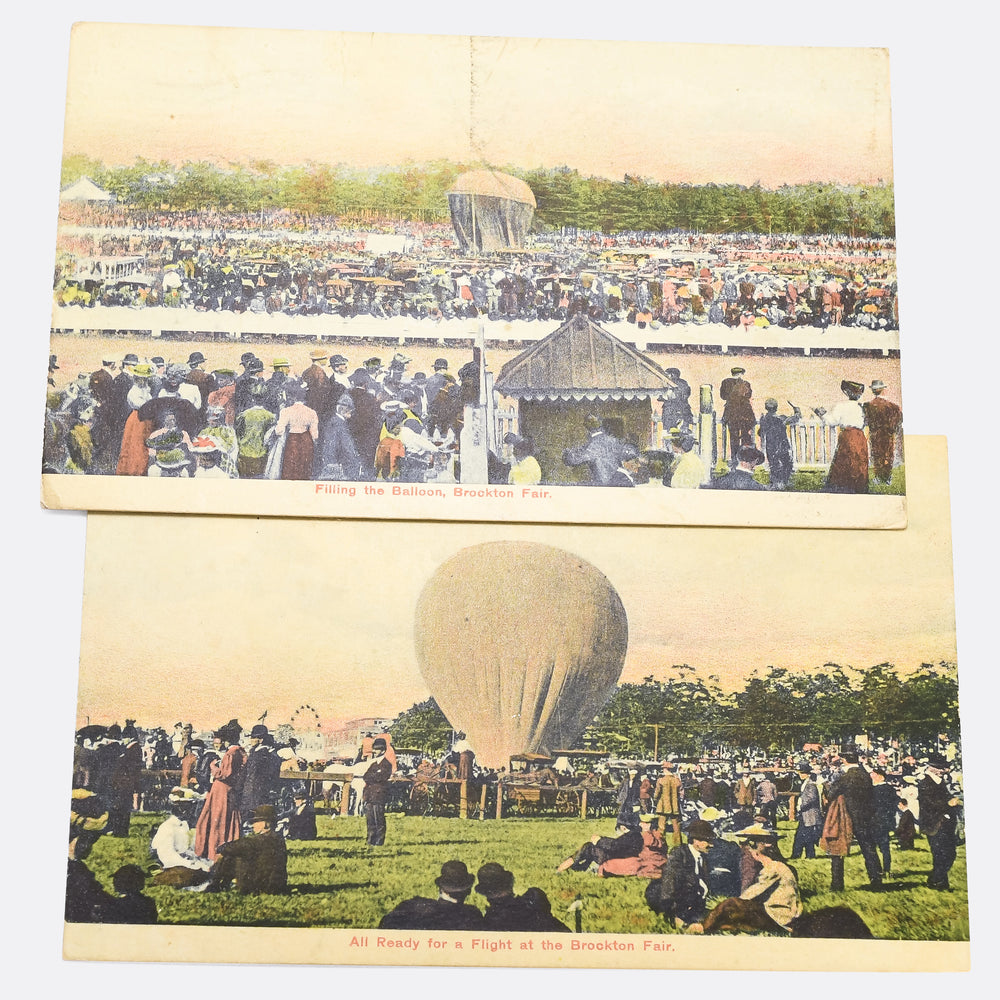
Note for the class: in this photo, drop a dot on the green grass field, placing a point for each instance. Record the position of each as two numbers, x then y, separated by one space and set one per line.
338 881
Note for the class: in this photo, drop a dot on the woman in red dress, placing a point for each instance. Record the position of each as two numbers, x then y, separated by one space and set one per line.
849 468
219 820
300 426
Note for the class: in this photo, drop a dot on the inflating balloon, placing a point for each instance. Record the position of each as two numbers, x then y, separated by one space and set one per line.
521 645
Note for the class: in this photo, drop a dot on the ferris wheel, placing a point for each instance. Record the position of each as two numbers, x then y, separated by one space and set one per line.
305 719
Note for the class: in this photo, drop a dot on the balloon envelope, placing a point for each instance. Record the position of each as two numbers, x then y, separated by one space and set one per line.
521 645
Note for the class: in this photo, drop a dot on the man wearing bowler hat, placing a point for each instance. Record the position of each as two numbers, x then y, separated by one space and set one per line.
260 772
679 894
884 419
200 379
852 792
258 863
376 792
530 911
741 477
449 912
436 382
737 414
317 383
938 820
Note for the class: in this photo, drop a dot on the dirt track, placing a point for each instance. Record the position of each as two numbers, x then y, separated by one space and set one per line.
806 381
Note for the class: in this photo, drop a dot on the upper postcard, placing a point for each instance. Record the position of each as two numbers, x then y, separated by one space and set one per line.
354 275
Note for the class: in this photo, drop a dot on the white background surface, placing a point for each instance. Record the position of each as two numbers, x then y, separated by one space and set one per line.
943 65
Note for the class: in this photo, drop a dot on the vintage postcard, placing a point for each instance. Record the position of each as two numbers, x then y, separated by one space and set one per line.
327 283
521 745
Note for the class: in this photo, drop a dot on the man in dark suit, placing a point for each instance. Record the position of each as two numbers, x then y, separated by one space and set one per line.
810 813
260 772
200 379
938 820
258 863
601 453
884 420
737 414
376 793
854 787
679 894
317 384
530 911
884 809
741 478
449 912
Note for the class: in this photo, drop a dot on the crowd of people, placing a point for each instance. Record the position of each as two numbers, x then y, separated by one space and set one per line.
384 422
702 834
179 420
219 262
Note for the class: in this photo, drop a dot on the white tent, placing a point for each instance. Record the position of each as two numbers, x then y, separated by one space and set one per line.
85 190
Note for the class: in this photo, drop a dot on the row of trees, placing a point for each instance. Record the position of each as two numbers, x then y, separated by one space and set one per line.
779 711
564 197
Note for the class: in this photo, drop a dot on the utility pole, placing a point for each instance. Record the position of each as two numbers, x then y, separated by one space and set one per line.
655 726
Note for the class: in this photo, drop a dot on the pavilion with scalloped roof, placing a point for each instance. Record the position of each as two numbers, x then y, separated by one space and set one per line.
578 369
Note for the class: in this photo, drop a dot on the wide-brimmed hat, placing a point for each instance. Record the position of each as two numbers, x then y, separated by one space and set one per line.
737 371
264 814
455 877
494 879
196 358
748 454
181 794
700 830
142 371
318 355
280 363
204 445
758 832
877 385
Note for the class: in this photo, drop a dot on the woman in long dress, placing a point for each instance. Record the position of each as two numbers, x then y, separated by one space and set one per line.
298 425
849 468
220 820
133 459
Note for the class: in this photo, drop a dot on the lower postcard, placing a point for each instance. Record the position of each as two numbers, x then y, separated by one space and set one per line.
425 743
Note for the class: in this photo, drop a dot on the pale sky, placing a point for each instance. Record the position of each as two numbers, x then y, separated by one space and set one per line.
682 113
207 618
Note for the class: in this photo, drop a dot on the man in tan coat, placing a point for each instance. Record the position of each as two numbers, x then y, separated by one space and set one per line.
667 802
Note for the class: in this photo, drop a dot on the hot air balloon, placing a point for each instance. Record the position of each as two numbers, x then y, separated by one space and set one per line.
521 645
490 211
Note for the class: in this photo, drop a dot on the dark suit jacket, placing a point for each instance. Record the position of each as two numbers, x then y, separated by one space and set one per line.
422 914
377 782
738 479
855 785
679 891
936 816
528 912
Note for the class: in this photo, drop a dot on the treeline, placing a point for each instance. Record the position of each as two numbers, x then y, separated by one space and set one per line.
564 197
777 712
